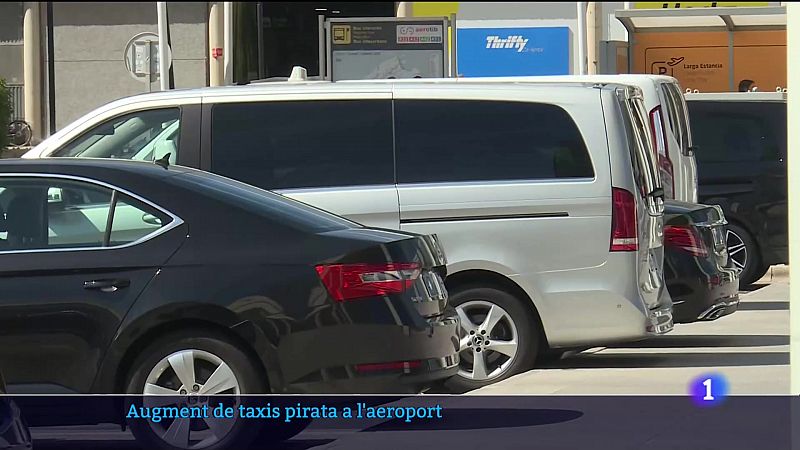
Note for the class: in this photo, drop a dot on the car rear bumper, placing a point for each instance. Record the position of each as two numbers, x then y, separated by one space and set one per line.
369 359
704 297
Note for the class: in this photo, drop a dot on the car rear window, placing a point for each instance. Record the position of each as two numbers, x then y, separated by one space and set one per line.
725 131
268 204
476 140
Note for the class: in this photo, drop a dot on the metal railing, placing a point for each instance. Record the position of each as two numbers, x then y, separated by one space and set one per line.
17 101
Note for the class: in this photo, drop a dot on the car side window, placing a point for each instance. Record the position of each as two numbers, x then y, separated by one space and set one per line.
42 214
476 140
145 135
304 144
738 131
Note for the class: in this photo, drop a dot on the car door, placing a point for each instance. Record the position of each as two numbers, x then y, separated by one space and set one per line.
680 152
333 152
503 181
74 256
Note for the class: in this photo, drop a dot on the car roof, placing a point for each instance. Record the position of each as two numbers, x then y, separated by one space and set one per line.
625 78
257 88
737 96
71 165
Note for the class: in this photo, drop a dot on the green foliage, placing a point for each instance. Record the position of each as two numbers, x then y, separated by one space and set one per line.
5 113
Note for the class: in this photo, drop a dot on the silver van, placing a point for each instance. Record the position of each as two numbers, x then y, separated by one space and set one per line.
546 198
668 118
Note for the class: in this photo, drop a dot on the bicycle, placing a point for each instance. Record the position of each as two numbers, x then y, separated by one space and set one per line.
19 133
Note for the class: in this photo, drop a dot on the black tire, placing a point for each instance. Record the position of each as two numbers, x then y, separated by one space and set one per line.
762 270
249 378
528 334
753 269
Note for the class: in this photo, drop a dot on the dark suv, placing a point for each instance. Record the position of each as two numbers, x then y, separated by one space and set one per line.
740 147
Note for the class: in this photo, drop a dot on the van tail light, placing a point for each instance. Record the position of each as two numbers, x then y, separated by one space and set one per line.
684 238
665 167
624 237
354 281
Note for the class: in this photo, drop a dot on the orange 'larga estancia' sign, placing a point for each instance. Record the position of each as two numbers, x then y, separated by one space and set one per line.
702 60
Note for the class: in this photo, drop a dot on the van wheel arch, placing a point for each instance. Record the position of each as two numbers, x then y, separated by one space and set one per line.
486 278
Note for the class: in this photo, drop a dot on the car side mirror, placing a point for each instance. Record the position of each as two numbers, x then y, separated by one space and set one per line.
55 195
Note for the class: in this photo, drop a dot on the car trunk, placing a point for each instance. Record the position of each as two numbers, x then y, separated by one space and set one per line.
710 225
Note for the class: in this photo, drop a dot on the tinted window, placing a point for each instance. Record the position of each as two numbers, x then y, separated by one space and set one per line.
50 214
455 140
738 131
267 204
134 220
276 145
144 135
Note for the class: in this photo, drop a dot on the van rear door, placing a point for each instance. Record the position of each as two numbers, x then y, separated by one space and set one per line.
648 195
683 160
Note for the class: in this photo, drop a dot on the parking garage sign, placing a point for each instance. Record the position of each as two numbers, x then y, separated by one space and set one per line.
367 48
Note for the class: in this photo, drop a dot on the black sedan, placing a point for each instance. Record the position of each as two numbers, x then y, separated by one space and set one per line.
129 277
700 275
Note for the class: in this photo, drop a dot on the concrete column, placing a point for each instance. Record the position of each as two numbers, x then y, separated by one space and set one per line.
793 168
227 39
216 62
404 9
592 37
580 39
32 67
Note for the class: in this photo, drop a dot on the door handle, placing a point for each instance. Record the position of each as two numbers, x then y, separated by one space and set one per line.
107 285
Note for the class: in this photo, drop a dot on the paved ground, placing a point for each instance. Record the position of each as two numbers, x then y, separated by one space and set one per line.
750 348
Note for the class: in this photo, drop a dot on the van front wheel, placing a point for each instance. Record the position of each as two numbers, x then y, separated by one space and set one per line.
497 336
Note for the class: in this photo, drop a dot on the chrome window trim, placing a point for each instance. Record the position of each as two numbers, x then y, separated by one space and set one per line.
175 223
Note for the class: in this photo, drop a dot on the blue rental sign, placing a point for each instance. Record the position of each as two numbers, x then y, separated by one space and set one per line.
487 52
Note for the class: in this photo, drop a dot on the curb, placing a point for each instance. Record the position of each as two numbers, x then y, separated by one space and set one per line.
777 274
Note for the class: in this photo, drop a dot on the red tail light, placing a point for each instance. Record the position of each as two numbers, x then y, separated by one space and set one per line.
353 281
684 238
624 237
404 366
659 133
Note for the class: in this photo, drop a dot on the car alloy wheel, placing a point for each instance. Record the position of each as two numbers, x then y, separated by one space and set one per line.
489 340
737 250
190 377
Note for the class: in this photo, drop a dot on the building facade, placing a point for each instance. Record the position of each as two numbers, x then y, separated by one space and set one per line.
214 43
